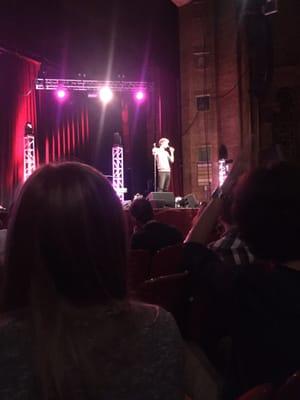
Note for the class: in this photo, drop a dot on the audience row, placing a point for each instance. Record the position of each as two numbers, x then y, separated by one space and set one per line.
69 328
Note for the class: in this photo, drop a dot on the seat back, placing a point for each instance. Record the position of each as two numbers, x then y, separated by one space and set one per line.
169 292
138 267
261 392
290 390
181 218
167 261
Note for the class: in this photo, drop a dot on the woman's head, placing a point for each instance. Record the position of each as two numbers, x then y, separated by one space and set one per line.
66 239
267 211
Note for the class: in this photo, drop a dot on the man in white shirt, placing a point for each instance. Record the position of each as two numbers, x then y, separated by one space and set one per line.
164 158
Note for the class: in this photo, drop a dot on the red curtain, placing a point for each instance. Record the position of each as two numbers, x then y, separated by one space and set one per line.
166 105
17 105
63 128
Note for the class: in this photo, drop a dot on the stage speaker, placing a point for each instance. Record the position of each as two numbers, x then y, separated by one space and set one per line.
190 201
161 199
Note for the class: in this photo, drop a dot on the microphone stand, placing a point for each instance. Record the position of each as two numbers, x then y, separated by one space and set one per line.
154 168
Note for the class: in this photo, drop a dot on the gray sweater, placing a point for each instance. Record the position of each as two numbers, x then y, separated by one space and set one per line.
135 354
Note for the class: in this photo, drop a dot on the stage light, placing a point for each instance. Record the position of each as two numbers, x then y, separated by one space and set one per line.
139 96
28 128
61 94
105 94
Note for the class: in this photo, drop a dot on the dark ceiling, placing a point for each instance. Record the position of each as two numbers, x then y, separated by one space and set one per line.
76 36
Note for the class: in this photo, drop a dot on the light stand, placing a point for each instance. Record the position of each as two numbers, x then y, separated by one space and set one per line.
29 151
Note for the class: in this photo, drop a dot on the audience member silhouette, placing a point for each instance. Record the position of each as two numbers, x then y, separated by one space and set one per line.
263 314
150 234
68 330
229 247
267 299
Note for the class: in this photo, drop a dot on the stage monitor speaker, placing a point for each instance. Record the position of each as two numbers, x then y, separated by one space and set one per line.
190 201
161 199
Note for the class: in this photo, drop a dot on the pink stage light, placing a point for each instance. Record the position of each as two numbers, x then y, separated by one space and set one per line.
140 96
105 94
61 94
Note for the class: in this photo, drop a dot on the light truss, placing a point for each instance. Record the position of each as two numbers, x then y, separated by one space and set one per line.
85 85
29 156
118 171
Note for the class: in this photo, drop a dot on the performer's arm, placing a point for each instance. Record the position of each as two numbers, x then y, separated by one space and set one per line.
171 156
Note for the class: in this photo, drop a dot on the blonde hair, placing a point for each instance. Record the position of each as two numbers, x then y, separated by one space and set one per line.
162 140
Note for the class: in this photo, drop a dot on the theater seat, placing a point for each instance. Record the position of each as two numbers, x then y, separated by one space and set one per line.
261 392
290 390
167 261
138 267
169 292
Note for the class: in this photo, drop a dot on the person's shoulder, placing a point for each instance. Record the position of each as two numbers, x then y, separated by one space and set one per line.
162 347
15 340
149 310
152 313
153 226
157 225
162 329
153 317
137 239
175 231
16 349
137 234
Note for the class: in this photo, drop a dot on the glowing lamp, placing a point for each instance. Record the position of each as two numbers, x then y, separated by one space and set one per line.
61 94
139 96
105 94
28 128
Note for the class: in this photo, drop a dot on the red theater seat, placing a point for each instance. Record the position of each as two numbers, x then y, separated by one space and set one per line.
290 390
261 392
169 292
138 267
181 218
167 261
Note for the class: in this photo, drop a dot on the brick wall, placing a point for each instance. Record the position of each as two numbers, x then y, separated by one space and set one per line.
212 63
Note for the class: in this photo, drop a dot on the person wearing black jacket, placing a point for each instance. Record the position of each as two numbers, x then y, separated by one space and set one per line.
262 307
150 234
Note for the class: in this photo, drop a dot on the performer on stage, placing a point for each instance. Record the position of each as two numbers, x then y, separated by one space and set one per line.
164 156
